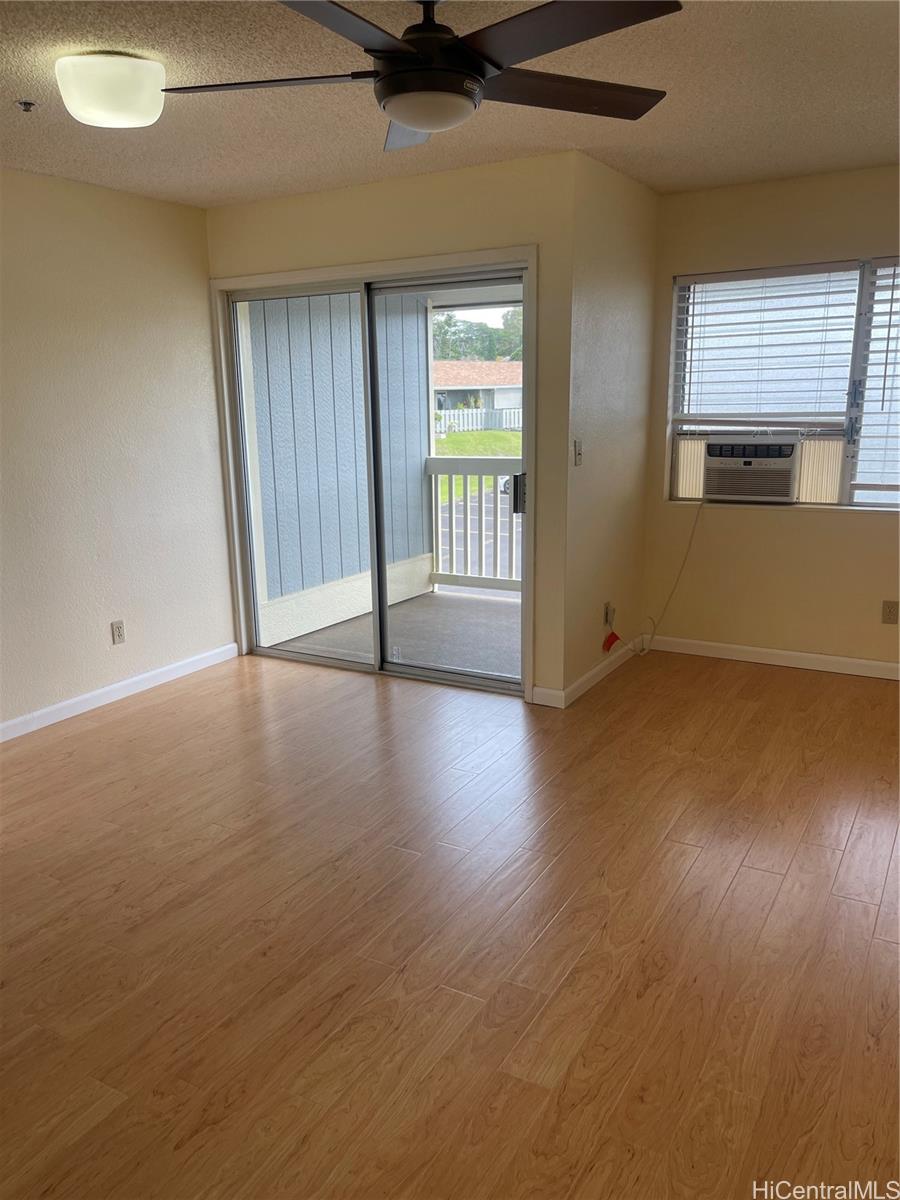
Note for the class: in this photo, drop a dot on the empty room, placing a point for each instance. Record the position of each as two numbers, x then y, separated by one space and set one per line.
449 600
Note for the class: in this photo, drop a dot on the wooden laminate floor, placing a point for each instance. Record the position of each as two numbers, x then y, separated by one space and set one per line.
282 931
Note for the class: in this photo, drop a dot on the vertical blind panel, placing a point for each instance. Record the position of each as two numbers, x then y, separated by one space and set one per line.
878 460
765 346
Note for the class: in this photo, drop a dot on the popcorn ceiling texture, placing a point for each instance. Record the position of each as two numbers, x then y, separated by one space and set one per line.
756 91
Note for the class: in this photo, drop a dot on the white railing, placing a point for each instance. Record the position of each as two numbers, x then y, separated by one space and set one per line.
472 420
477 536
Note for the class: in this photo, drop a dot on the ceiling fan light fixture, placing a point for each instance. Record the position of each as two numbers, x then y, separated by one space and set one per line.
429 112
111 91
429 79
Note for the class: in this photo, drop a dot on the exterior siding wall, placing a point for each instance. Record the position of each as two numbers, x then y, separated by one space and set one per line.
308 392
311 444
401 349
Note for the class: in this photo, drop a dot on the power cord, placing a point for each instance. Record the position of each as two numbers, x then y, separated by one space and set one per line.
659 620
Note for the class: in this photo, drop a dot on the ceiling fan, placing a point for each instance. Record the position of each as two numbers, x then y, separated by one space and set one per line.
428 79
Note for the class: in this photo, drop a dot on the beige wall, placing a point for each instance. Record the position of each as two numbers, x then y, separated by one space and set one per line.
527 202
798 579
112 495
615 225
111 476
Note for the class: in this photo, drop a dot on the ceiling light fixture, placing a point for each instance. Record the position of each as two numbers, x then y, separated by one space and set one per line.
428 79
429 112
112 91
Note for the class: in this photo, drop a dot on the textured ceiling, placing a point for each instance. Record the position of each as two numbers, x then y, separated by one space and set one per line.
756 90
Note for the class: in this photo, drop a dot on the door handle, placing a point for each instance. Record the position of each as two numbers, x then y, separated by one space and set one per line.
518 493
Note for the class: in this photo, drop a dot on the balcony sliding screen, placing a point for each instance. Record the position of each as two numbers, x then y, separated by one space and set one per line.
806 350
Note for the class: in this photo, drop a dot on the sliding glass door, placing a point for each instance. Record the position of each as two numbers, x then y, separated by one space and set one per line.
448 389
303 416
381 433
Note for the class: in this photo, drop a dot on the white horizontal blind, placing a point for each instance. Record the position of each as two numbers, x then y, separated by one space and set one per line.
876 473
774 347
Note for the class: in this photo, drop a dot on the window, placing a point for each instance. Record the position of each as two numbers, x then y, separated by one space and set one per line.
875 394
812 351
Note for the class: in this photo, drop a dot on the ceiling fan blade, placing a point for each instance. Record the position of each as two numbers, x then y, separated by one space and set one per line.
539 90
299 81
560 23
371 38
401 138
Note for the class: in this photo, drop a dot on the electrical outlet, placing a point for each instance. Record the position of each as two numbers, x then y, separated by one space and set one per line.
889 612
118 632
609 614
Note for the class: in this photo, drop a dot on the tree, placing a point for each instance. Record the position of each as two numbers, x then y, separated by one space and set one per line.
512 333
458 339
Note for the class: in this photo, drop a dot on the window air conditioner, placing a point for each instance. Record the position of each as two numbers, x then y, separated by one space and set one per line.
761 471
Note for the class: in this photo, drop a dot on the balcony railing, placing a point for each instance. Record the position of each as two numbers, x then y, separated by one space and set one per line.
477 536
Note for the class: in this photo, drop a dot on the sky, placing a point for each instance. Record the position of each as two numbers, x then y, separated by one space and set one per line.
487 316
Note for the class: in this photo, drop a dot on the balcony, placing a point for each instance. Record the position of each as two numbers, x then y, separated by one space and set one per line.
477 537
465 607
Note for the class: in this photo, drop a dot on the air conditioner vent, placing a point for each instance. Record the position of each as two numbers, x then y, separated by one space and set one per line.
763 471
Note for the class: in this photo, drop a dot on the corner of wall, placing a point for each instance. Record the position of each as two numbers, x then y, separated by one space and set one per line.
807 580
614 229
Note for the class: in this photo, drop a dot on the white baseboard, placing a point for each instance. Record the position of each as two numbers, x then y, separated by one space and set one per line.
781 658
557 698
113 691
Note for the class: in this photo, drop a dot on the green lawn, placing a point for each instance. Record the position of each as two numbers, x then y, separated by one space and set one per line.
484 443
481 444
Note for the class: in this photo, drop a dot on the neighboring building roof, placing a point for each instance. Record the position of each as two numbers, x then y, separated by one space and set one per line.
475 373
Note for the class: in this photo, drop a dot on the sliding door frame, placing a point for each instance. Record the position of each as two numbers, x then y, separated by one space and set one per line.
359 278
486 278
249 601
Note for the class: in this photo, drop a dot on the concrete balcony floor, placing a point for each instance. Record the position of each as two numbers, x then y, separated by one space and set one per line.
462 629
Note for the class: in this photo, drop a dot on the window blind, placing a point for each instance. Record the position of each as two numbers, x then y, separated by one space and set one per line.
814 350
775 346
876 469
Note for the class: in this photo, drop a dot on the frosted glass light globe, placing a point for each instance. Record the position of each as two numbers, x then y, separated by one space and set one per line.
429 112
113 91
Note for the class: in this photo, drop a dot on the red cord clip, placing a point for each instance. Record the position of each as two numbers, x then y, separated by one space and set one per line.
609 641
